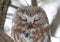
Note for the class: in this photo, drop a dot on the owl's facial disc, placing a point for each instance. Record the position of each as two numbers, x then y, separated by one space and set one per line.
30 20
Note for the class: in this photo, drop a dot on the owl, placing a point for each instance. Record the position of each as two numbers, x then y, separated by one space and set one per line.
30 24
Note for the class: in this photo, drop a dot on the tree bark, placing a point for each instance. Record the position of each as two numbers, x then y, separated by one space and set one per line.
4 37
55 23
34 2
4 4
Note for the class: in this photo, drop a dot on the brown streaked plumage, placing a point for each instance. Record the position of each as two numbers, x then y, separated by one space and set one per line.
30 24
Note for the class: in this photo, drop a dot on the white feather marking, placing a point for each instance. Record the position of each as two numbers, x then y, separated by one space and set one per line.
46 25
46 37
23 37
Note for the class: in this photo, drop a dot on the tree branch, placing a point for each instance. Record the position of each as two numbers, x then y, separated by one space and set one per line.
55 22
34 2
14 6
4 4
4 37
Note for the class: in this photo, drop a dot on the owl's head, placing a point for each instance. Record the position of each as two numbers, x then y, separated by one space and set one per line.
30 20
31 15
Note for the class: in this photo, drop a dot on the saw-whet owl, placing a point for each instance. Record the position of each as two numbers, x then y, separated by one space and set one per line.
30 24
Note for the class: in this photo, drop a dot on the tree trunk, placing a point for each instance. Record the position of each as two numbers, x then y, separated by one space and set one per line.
55 23
4 37
34 2
3 11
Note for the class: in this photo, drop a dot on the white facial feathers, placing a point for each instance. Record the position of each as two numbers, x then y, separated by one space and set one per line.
36 17
30 19
24 17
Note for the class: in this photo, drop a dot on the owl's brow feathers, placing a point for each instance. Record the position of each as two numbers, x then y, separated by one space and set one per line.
30 10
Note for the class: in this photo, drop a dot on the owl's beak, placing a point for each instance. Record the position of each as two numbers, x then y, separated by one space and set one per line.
30 25
30 22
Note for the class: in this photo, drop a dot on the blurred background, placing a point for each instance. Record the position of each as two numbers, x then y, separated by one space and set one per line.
51 7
